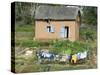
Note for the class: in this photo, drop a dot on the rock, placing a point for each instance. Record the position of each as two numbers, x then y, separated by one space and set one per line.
28 53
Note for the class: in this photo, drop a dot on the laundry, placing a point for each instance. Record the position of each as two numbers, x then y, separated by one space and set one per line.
45 55
74 58
82 55
78 55
63 59
68 57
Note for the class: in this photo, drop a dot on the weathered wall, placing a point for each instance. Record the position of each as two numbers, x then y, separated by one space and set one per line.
41 33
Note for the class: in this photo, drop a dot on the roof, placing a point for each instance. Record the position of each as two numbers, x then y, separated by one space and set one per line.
56 12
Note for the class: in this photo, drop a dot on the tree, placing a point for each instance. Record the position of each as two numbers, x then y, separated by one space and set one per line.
89 15
24 12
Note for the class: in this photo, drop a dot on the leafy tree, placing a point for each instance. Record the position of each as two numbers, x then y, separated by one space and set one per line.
24 12
89 15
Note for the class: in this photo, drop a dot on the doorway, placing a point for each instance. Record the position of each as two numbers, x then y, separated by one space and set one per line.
66 33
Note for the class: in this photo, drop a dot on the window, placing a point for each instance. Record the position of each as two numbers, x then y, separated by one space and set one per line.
50 28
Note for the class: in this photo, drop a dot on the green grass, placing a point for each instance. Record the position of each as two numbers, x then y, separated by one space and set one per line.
30 43
24 36
24 39
24 32
54 67
24 28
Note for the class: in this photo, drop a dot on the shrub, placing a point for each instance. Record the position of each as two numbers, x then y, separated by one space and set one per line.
68 47
88 34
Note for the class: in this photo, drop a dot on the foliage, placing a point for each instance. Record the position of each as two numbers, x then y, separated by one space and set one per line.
55 46
25 12
89 15
24 28
68 47
88 34
79 47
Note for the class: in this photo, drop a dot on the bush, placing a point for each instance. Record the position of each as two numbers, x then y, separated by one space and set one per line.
88 34
68 47
56 47
79 47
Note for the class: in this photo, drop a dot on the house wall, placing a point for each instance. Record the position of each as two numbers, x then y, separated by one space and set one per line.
77 30
41 30
77 22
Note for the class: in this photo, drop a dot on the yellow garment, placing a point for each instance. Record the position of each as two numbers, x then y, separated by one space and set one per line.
74 59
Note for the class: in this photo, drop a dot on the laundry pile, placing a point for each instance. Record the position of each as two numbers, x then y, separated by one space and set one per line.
79 56
42 55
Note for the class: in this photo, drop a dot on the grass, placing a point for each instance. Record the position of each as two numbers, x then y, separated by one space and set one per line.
24 28
54 67
24 39
23 36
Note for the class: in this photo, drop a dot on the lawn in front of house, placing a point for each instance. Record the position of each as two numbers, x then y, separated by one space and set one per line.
24 39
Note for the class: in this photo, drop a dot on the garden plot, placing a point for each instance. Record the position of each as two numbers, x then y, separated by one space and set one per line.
27 61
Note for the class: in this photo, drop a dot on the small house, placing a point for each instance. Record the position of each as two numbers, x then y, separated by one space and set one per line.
57 22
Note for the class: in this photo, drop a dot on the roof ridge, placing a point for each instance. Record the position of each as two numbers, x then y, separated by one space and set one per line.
56 12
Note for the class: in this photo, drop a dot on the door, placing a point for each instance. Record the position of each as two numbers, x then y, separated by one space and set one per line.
64 33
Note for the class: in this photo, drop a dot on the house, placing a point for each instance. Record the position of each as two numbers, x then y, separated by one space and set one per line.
57 22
